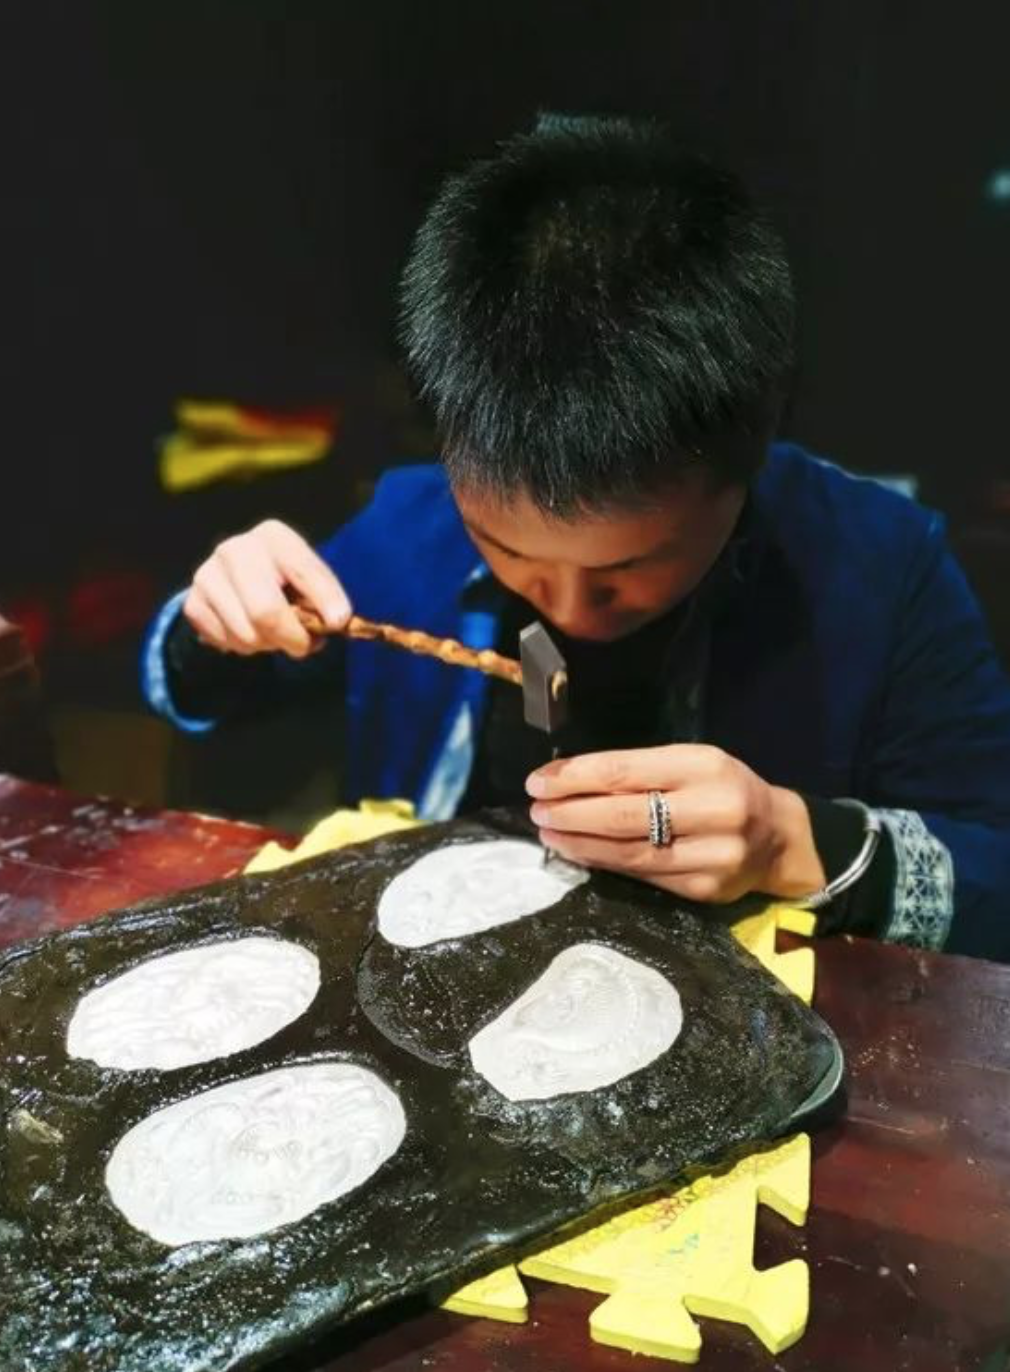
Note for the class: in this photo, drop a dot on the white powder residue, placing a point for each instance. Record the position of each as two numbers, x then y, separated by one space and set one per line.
593 1017
187 1007
248 1157
465 888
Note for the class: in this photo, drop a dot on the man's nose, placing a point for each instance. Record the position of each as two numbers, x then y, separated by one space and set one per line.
573 600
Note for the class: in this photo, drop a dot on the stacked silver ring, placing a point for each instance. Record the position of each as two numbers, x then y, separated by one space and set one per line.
660 824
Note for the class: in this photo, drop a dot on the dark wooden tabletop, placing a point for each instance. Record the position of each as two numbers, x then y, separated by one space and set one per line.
908 1238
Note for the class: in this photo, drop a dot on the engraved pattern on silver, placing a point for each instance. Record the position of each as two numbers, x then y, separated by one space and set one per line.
468 887
201 1003
593 1017
923 906
250 1156
660 824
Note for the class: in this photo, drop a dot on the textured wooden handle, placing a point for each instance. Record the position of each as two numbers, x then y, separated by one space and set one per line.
447 650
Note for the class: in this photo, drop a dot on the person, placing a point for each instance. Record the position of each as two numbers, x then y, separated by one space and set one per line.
779 680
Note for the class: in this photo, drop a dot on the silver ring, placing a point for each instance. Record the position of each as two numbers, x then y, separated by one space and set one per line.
660 823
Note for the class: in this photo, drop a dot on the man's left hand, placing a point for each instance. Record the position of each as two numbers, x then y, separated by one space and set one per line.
732 832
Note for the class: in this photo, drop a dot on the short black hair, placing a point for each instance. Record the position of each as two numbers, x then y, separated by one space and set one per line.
591 309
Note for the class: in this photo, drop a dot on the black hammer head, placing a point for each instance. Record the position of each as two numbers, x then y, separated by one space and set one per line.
545 680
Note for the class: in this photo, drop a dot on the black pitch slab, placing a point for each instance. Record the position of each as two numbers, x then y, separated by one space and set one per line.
478 1178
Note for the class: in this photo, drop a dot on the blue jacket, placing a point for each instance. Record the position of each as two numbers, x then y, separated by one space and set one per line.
854 662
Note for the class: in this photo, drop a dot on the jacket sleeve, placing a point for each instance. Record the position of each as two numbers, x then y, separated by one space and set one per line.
195 687
938 769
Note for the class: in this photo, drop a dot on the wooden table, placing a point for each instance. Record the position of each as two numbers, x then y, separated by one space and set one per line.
909 1235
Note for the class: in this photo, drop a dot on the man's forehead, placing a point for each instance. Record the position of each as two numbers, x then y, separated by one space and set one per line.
494 510
518 525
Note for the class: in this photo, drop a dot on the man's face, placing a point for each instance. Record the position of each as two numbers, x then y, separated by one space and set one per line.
601 576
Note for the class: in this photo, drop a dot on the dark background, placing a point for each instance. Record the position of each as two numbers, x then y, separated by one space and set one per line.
214 200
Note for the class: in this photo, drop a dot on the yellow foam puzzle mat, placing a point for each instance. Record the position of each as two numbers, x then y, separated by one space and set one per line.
758 935
499 1296
688 1253
371 819
691 1252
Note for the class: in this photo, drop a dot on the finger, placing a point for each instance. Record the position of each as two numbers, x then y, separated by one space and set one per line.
259 584
715 855
314 581
619 855
213 583
204 619
693 810
636 769
607 816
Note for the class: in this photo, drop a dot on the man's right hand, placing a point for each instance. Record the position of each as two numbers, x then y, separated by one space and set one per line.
237 602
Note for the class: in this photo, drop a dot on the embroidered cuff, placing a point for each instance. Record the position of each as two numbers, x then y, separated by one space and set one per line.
154 675
923 904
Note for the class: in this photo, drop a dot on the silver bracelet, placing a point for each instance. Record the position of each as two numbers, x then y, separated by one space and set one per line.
857 867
